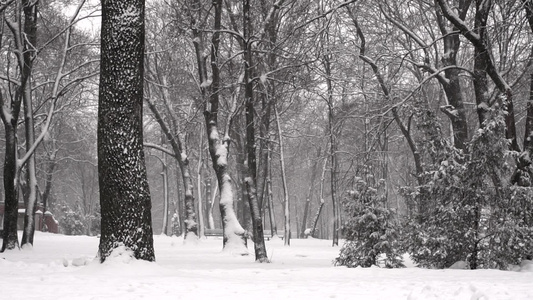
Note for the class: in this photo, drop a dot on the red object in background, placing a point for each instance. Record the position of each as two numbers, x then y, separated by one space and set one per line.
42 223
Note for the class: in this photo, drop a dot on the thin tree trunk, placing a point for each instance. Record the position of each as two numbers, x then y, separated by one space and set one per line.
286 204
524 161
321 203
199 187
270 200
271 210
234 238
31 178
333 151
164 175
251 179
179 201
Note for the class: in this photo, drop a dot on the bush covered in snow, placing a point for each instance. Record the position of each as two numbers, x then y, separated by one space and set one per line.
370 230
471 211
71 221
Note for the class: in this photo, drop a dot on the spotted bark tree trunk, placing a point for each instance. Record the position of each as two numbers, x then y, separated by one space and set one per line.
124 194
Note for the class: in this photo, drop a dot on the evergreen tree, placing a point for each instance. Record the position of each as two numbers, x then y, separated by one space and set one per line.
370 229
71 221
474 214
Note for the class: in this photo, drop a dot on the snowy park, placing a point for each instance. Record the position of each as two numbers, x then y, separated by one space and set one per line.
64 267
146 144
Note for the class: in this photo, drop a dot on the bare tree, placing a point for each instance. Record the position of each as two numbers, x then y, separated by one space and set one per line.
234 237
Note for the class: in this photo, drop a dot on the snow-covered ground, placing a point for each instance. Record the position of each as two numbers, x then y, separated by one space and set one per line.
63 267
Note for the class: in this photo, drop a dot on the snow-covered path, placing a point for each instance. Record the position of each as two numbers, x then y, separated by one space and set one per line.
202 271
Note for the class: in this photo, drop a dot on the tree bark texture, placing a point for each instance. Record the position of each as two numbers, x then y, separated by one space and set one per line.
200 206
124 193
234 237
452 88
286 204
528 138
484 64
481 81
332 151
251 180
10 236
10 114
30 31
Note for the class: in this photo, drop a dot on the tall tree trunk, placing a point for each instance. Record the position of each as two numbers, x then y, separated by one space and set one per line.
332 151
264 133
10 236
481 90
524 161
480 79
286 204
251 180
484 64
124 193
200 210
234 238
269 198
452 87
10 115
30 31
